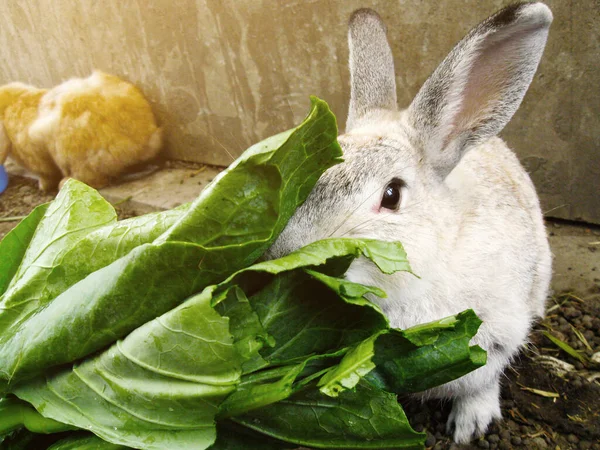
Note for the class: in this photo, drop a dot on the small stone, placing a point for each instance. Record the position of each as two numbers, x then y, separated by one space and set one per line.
439 435
572 439
504 445
505 435
430 441
508 403
585 445
587 321
579 365
572 313
516 440
560 335
420 418
577 383
539 442
565 329
512 424
483 444
588 334
562 320
418 427
493 438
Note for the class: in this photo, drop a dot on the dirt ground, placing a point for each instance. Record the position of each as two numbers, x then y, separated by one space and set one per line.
550 399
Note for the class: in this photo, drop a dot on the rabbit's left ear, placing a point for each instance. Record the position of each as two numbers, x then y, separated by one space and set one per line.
476 90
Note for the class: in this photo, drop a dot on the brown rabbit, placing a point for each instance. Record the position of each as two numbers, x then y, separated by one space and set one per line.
90 129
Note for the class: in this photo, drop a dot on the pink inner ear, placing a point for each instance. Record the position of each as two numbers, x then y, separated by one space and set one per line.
492 73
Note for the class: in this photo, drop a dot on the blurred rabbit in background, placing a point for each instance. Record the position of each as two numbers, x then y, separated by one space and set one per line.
90 129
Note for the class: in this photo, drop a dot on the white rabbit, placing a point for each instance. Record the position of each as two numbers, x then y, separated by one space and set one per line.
436 178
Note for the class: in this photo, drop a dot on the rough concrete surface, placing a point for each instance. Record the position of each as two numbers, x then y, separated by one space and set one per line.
164 189
153 190
576 250
223 74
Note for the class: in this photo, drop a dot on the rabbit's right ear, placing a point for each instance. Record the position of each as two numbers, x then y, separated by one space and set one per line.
372 78
476 90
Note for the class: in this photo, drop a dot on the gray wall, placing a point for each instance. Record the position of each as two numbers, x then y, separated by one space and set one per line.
224 74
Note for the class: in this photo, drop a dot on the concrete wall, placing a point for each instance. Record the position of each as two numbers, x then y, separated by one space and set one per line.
223 74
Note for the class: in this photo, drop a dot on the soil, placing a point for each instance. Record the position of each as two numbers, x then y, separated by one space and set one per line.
22 195
542 407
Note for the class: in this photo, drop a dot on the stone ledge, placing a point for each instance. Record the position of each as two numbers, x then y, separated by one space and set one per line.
155 189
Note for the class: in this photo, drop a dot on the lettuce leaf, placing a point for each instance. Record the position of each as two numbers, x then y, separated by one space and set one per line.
411 360
163 385
43 322
162 331
363 418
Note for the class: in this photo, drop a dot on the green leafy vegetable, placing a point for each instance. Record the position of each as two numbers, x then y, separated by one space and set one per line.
161 331
158 388
411 360
166 380
84 441
365 418
231 223
15 414
14 245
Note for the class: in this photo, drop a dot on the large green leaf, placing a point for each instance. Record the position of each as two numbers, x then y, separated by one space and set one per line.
301 310
231 223
77 211
231 436
363 418
306 318
51 266
158 388
15 414
411 360
85 441
14 245
335 254
164 382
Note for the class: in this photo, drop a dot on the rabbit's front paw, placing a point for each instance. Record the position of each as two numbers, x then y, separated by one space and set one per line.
471 415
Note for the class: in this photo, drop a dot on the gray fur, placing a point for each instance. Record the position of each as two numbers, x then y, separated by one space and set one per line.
372 79
436 108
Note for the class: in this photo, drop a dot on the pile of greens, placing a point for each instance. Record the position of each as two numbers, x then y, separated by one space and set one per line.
164 332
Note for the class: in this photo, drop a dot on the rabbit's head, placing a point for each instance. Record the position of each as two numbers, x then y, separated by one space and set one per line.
393 183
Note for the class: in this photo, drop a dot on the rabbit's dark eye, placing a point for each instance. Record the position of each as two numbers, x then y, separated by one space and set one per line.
392 195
